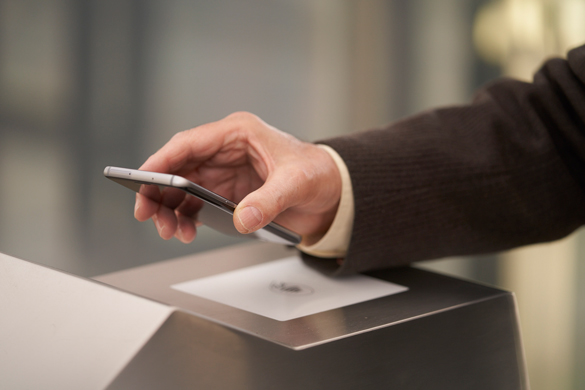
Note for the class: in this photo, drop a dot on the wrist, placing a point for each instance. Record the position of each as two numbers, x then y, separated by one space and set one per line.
334 239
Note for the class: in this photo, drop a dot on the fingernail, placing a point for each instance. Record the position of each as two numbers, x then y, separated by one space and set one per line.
250 217
180 235
159 226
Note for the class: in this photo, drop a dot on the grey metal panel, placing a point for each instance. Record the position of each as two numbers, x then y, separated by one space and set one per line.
470 347
428 293
68 332
444 333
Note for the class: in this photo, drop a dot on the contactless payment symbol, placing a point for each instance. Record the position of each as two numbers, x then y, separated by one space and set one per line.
296 289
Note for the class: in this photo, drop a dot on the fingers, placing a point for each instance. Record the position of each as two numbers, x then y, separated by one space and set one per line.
171 224
295 181
173 213
302 194
188 149
144 208
221 141
184 148
249 219
166 222
187 223
285 189
186 230
149 199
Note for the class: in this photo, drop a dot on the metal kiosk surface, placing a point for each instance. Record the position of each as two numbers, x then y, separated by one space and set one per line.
252 317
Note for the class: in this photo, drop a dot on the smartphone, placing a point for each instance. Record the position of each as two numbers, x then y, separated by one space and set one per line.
217 212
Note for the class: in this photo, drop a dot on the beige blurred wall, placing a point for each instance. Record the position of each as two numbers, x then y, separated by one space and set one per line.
518 35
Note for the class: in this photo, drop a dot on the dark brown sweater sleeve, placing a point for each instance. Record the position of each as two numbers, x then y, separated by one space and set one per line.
505 171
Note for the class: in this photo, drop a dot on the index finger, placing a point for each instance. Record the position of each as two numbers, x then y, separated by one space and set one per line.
188 149
181 155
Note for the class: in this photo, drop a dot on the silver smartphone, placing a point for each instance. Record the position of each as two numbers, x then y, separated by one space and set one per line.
217 211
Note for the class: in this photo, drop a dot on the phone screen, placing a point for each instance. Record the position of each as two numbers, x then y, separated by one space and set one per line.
215 211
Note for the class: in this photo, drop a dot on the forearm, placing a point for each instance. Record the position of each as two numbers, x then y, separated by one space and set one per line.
335 242
502 172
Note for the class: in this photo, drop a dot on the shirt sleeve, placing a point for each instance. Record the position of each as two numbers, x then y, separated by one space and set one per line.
335 242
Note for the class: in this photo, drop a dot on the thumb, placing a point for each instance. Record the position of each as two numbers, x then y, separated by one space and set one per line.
263 205
248 219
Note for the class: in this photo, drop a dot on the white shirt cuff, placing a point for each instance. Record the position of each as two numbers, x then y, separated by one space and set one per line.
335 242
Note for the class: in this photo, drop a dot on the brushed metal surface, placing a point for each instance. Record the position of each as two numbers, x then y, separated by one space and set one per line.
428 294
468 348
62 331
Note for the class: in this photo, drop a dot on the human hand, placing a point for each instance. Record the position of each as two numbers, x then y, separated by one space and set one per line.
270 174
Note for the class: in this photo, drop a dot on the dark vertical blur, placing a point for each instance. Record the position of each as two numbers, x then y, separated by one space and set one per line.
108 98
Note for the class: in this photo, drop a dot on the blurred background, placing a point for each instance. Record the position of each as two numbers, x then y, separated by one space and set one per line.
90 83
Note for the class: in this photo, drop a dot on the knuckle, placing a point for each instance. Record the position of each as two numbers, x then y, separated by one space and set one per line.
243 116
245 124
179 137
